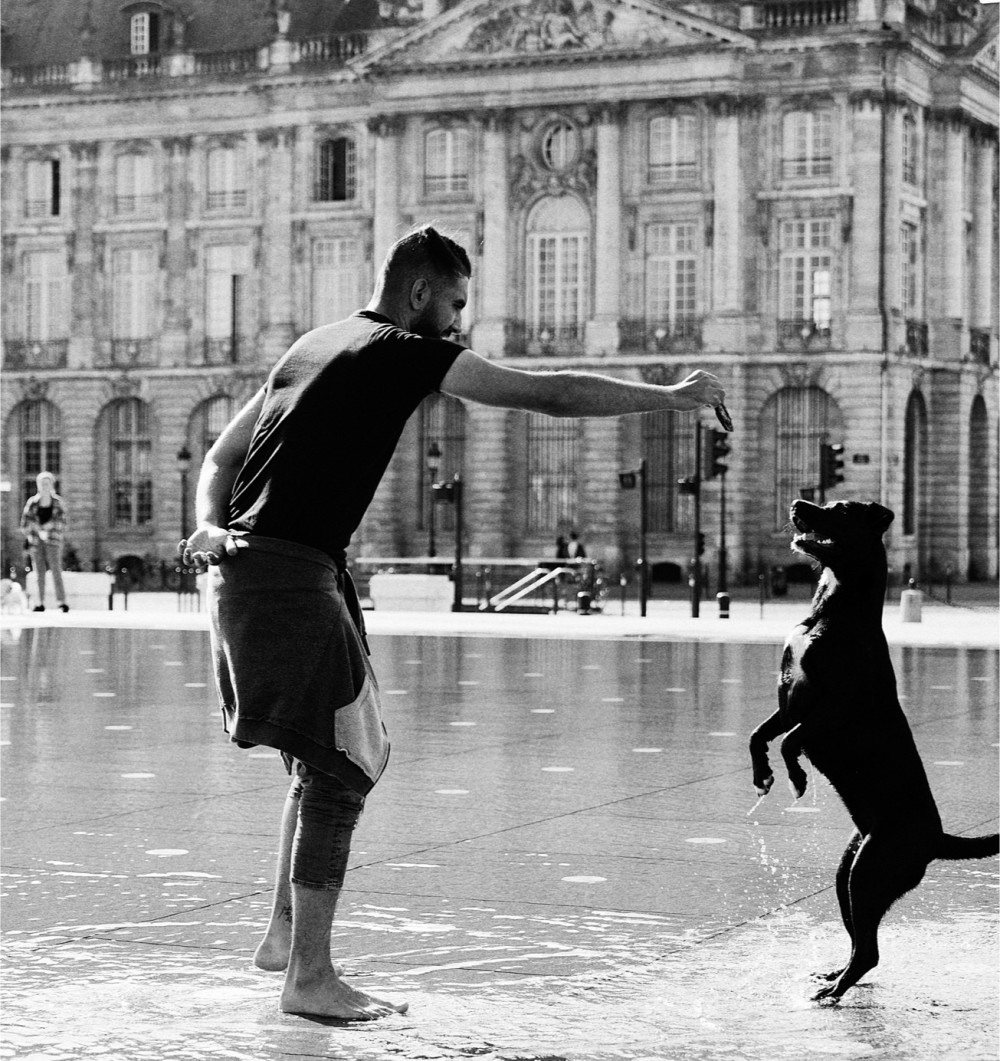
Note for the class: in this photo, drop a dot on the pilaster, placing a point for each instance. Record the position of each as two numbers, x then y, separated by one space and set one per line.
177 318
489 331
602 335
277 146
83 263
386 223
723 325
863 319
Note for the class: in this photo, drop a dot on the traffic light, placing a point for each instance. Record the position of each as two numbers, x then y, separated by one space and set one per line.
831 464
700 544
687 485
717 451
627 480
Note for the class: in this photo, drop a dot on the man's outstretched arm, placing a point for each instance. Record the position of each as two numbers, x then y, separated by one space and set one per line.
574 393
215 487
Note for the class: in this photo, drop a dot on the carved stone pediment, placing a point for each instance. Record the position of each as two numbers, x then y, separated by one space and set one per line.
517 30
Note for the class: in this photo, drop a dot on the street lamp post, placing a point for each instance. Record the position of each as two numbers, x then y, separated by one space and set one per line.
184 466
433 464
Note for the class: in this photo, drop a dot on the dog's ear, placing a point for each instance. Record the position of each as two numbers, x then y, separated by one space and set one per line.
880 517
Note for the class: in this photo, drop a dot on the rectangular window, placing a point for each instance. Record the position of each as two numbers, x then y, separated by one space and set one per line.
227 179
446 161
673 149
807 144
226 309
134 192
46 296
336 268
133 293
805 278
553 446
145 33
42 198
909 271
911 150
668 444
336 171
672 274
40 445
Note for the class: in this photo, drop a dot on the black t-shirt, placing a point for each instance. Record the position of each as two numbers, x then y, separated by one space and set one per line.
335 406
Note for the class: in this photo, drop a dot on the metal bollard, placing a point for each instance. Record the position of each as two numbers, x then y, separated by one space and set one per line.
723 599
910 601
583 602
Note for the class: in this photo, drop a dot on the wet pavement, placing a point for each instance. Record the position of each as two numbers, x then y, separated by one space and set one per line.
563 861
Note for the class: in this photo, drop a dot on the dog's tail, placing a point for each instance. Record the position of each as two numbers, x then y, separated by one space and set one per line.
952 847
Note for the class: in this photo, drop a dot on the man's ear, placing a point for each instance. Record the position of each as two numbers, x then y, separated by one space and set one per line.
420 291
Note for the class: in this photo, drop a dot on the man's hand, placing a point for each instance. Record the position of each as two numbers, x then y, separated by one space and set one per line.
698 389
208 545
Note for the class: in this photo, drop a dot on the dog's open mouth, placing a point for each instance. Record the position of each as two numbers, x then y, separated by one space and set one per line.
808 538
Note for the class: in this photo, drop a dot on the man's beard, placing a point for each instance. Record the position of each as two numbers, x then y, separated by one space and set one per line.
424 325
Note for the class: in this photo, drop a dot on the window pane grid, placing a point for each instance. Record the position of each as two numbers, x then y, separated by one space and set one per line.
39 446
671 272
807 144
336 267
803 422
552 460
446 161
130 460
673 148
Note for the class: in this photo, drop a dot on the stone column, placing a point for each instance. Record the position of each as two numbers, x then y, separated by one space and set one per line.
277 325
177 297
386 222
983 295
723 326
946 242
83 263
489 332
603 329
863 319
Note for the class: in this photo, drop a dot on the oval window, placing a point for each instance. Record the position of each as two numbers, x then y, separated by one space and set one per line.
560 145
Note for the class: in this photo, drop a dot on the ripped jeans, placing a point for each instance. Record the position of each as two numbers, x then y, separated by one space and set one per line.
327 814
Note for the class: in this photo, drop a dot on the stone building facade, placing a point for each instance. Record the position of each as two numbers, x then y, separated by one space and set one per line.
799 195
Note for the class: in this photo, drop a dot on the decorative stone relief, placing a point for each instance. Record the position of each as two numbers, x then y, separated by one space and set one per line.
659 374
125 386
545 26
528 179
34 389
800 374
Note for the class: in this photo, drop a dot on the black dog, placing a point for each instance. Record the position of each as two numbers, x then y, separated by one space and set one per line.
837 703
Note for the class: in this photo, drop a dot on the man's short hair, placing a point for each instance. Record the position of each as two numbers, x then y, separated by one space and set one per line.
422 250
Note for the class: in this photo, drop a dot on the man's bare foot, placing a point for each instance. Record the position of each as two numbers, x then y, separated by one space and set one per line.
329 996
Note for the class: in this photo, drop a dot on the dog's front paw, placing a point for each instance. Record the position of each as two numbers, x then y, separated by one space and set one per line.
797 783
762 785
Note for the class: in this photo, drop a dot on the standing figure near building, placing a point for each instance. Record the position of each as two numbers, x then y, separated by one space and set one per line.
575 550
43 523
279 496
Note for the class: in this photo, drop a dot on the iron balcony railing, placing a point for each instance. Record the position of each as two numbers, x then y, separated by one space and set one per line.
127 353
667 336
35 353
802 334
540 339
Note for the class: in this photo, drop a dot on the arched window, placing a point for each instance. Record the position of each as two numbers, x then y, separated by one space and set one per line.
807 143
446 161
35 439
558 270
914 462
668 444
553 451
794 423
129 457
442 430
335 176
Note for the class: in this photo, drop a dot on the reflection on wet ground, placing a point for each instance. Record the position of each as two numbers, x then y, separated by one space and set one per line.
562 862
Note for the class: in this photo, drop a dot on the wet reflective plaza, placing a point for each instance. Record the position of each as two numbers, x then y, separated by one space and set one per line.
563 861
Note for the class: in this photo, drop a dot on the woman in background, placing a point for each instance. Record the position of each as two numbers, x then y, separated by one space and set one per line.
42 524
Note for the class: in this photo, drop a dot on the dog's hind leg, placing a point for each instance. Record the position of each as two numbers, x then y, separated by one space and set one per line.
843 896
883 869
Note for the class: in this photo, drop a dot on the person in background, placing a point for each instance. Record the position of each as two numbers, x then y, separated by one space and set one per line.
43 523
575 549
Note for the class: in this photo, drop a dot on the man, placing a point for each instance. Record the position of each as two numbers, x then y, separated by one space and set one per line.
279 495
